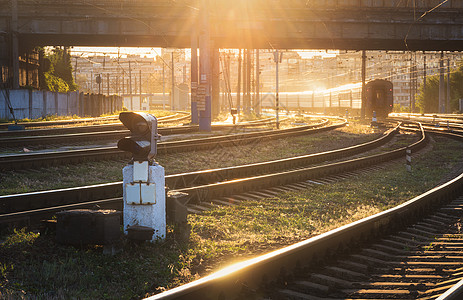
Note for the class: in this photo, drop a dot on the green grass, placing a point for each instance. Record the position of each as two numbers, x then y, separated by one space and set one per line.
36 266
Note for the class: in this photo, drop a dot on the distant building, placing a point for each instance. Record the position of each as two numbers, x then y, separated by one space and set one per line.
135 75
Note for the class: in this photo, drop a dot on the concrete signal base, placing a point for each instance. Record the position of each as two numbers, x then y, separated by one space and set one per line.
145 198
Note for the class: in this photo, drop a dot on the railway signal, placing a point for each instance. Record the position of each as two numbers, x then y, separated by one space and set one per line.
144 135
144 181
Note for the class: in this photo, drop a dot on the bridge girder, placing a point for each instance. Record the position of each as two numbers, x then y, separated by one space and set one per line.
295 24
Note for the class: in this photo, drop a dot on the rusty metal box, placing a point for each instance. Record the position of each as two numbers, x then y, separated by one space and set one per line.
88 227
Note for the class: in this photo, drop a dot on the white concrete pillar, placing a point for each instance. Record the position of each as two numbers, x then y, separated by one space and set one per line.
147 210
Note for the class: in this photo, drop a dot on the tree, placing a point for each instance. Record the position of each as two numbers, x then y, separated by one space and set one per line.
428 100
57 76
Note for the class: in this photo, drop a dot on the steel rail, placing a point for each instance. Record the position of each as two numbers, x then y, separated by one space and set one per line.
245 278
453 293
189 179
36 200
33 200
4 126
241 280
119 126
98 132
35 160
208 192
114 134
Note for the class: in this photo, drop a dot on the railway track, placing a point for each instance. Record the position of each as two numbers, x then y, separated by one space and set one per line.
80 138
82 128
83 121
43 159
4 126
98 133
80 134
434 122
412 251
203 187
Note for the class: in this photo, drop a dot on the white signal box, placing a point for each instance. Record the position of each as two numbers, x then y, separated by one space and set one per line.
140 193
140 171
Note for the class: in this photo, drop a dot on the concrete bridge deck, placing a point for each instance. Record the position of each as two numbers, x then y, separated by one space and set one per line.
296 24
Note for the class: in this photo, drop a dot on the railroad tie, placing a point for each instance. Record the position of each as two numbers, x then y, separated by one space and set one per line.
423 260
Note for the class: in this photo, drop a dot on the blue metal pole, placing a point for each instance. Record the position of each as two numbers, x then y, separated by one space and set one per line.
204 104
194 77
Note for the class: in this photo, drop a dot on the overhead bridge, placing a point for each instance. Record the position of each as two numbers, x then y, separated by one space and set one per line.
287 24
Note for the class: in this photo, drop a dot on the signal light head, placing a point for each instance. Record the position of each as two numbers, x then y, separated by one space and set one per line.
143 141
139 149
137 123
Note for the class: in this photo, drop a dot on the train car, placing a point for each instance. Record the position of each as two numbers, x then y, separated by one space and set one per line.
341 100
379 98
338 100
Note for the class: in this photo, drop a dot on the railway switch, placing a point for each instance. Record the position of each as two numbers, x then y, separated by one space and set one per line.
144 179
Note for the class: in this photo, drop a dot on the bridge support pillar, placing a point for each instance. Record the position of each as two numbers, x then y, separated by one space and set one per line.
204 91
194 77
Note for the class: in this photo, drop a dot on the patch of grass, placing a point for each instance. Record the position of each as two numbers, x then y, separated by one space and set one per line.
50 271
20 238
35 267
297 215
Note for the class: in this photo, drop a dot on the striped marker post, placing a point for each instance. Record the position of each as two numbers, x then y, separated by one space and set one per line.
408 158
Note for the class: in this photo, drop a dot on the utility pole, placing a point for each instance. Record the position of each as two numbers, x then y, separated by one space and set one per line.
248 81
98 80
415 82
424 80
448 86
75 71
238 91
172 98
139 89
362 109
277 97
184 73
117 72
215 80
135 84
410 83
257 104
163 86
441 84
130 87
245 80
123 83
117 85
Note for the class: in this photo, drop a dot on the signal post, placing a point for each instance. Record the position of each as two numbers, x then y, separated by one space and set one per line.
143 179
